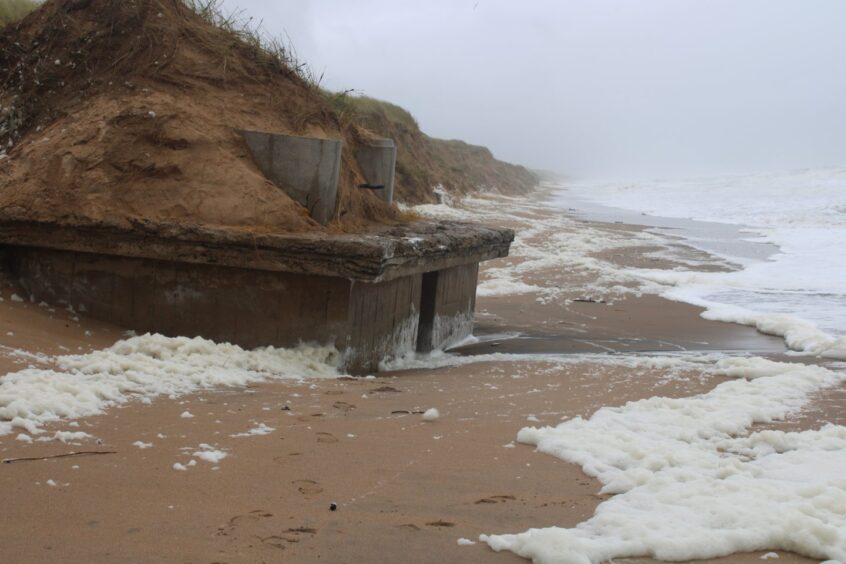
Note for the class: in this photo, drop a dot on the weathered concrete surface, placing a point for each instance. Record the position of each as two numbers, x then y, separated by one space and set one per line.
247 307
448 298
367 322
374 257
378 162
306 168
383 321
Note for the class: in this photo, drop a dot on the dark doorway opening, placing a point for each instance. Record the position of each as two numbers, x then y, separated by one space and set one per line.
425 329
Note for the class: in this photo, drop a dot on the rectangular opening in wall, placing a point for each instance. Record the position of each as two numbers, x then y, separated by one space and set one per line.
425 328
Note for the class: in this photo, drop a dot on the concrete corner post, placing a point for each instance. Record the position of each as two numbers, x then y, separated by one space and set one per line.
378 161
306 168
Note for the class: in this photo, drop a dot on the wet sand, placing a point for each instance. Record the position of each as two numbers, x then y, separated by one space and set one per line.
405 489
644 324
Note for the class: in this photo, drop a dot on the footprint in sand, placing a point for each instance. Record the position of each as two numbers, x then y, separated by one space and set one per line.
308 487
326 438
343 406
496 499
303 531
291 536
275 541
383 389
241 520
440 523
286 458
310 417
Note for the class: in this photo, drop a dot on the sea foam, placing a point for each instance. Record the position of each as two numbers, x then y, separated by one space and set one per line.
691 483
144 367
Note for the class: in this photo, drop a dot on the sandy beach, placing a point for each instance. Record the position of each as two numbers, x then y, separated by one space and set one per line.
404 489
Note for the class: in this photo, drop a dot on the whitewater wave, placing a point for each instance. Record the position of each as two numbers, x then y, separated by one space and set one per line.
798 293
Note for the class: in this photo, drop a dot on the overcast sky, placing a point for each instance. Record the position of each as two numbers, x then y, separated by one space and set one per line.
594 87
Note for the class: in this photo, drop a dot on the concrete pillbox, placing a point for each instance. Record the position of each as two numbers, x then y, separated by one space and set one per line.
306 168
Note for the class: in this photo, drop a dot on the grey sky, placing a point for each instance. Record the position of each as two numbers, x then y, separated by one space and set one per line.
599 87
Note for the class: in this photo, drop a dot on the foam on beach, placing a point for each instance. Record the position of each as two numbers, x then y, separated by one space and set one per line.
142 368
431 414
259 430
669 363
210 454
550 243
691 482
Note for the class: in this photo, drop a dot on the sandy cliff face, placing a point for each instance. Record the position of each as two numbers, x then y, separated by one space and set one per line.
116 112
424 162
126 111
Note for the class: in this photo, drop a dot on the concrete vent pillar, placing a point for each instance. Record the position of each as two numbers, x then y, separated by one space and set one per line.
306 168
378 161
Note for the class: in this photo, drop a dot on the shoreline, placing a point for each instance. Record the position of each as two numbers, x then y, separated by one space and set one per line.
627 325
772 254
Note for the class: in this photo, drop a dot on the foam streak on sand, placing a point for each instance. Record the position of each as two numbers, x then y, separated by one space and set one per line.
142 368
553 244
690 485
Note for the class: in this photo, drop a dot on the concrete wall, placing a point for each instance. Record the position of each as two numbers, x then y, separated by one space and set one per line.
248 307
306 168
383 319
367 322
378 162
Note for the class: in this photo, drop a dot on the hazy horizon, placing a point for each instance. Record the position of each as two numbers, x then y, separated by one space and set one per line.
606 88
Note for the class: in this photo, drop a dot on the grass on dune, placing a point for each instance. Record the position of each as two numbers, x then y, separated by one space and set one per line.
13 10
368 111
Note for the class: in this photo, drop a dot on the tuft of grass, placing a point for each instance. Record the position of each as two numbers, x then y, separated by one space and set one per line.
14 10
279 52
370 112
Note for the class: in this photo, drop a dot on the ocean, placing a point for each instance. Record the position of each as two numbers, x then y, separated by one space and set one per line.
783 233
